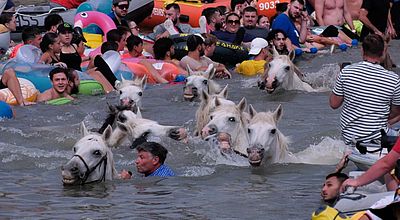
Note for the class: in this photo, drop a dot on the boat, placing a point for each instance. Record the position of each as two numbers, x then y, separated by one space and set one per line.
355 202
193 9
366 160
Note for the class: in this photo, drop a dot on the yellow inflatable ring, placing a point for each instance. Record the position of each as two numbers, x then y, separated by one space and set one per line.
29 92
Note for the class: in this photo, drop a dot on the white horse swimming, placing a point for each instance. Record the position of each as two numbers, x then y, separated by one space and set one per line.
137 129
231 120
267 143
281 72
207 105
131 91
198 81
92 161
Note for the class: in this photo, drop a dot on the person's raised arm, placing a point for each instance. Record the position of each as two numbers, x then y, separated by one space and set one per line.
347 16
364 19
303 28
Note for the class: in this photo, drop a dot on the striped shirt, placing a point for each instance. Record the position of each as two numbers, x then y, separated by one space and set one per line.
162 171
368 90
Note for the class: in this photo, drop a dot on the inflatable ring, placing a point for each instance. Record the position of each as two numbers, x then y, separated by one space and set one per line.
29 92
167 71
59 101
90 87
225 52
5 110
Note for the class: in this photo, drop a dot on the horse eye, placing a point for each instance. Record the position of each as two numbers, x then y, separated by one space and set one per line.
140 93
287 68
211 117
269 64
248 130
273 131
97 153
205 82
120 92
74 149
232 119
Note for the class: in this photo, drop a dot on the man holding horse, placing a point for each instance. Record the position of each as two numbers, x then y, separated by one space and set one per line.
370 95
150 161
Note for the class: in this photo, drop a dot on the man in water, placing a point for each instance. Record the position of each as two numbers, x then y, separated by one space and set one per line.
64 83
370 95
331 188
150 161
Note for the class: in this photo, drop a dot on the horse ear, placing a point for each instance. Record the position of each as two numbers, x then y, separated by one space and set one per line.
210 71
189 70
275 52
224 92
292 55
278 113
252 111
138 113
107 133
143 82
118 84
83 129
242 104
217 102
204 95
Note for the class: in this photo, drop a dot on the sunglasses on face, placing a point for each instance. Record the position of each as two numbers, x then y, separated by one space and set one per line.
65 32
123 7
233 22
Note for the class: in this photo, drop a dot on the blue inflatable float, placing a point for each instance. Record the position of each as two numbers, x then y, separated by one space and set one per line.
5 110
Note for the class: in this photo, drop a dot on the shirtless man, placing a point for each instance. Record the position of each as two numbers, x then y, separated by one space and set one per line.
333 12
354 7
64 84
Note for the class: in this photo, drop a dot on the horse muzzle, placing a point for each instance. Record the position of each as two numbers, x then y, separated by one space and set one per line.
127 102
271 87
190 93
70 176
255 156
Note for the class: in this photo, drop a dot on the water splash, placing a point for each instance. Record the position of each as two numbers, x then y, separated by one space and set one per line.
325 78
327 152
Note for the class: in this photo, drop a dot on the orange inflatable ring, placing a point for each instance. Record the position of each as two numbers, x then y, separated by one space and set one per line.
29 92
167 71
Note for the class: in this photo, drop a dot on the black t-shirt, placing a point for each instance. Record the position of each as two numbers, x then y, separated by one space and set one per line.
377 14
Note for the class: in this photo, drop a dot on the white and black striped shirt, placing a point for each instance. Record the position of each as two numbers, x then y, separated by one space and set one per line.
368 90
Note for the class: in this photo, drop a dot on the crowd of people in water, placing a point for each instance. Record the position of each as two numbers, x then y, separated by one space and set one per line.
368 92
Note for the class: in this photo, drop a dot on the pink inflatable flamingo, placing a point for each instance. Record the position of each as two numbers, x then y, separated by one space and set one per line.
83 19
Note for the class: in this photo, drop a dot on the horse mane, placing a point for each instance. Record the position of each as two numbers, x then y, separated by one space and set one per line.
113 111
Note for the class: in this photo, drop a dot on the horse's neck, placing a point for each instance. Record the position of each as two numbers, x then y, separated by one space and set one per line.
241 142
281 149
293 82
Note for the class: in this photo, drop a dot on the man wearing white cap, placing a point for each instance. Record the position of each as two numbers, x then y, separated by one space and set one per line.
258 49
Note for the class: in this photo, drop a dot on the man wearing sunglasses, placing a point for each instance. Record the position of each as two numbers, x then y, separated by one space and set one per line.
119 11
233 32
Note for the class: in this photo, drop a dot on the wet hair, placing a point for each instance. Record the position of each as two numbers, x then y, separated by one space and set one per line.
222 9
373 45
59 70
340 176
133 41
250 9
30 33
173 5
114 35
232 14
123 30
155 149
236 2
5 18
299 1
108 45
209 39
161 47
48 38
51 20
209 13
272 34
193 42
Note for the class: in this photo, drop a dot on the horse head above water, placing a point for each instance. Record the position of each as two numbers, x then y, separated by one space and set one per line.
267 143
92 161
281 72
230 119
131 125
199 81
131 91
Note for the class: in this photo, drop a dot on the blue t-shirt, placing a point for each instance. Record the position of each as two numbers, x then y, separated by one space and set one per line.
284 23
162 171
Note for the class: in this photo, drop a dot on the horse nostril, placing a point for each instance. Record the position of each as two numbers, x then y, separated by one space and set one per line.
131 101
140 93
248 150
261 85
194 89
274 83
213 129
